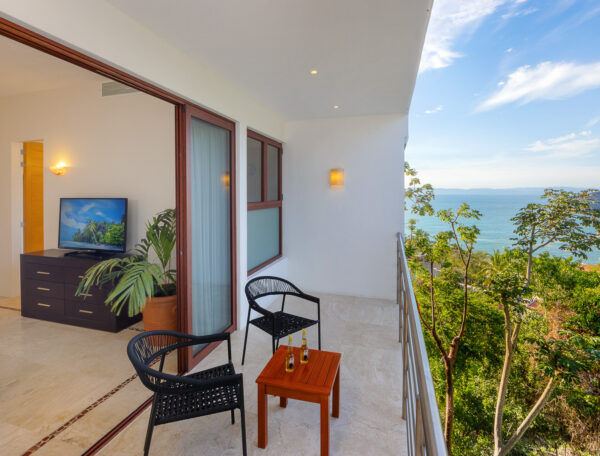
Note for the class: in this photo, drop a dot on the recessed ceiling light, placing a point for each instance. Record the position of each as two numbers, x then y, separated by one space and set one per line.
314 72
336 107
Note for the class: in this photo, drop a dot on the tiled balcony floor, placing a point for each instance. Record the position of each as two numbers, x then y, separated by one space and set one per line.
364 331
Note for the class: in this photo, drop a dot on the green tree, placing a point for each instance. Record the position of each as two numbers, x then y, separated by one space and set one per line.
568 218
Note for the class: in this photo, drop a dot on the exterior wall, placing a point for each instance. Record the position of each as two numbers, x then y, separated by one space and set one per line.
343 240
119 146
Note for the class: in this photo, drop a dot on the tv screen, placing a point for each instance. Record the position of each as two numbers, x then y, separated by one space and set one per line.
93 223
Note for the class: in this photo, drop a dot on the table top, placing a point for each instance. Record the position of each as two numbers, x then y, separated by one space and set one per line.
315 377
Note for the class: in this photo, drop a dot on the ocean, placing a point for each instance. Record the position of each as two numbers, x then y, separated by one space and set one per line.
497 207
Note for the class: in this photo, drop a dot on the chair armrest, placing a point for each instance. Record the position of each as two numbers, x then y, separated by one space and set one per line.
261 310
310 298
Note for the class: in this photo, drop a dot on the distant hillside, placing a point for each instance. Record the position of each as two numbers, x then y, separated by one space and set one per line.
537 191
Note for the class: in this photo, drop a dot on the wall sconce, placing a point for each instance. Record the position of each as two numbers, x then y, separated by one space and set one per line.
226 180
59 169
336 177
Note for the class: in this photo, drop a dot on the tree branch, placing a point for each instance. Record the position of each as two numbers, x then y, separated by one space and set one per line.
534 412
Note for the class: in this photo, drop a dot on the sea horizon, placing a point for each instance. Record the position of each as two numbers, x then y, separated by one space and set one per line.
497 206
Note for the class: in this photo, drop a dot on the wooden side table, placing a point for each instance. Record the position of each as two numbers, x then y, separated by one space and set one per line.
312 382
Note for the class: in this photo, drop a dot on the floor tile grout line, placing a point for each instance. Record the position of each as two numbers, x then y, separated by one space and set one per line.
77 417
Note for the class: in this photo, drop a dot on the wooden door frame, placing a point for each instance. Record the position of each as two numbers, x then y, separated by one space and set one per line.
35 40
187 358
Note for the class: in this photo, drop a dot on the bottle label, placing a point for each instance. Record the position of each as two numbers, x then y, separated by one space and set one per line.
305 354
291 363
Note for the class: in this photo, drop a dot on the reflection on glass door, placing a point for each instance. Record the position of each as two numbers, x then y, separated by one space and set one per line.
211 307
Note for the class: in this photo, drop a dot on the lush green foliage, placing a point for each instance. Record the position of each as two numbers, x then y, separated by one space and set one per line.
144 274
100 233
546 309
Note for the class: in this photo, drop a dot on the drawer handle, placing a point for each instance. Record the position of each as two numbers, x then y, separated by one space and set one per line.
42 272
80 277
43 289
86 294
86 311
43 305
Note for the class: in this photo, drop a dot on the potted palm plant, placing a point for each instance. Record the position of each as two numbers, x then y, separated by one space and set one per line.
144 281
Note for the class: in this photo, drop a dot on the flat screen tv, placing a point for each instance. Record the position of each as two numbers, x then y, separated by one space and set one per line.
97 224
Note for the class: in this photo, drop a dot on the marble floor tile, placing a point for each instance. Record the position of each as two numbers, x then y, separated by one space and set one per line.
364 331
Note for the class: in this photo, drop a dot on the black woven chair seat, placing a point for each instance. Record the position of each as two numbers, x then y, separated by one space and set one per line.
182 404
277 324
214 390
285 324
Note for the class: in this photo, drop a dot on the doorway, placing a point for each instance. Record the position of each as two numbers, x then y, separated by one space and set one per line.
33 196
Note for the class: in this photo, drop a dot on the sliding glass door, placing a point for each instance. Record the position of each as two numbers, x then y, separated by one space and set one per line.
210 170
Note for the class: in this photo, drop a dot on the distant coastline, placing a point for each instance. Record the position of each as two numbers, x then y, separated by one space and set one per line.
498 206
536 191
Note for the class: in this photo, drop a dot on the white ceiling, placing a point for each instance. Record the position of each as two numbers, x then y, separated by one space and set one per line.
25 70
367 52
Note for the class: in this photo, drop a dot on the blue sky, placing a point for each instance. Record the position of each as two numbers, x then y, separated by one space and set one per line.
508 95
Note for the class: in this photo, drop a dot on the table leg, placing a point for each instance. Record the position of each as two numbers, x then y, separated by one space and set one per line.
335 412
283 402
325 426
263 424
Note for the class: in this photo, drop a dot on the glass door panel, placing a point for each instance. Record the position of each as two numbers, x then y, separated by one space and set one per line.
211 307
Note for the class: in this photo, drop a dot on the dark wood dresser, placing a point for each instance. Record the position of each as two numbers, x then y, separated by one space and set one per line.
48 283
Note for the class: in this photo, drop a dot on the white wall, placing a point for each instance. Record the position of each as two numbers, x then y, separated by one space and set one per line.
119 146
100 30
343 240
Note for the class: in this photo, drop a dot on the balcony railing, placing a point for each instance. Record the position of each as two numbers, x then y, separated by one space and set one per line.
419 405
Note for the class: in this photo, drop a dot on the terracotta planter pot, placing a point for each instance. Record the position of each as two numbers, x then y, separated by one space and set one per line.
160 314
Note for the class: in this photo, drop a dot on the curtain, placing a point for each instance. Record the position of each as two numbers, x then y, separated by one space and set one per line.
210 223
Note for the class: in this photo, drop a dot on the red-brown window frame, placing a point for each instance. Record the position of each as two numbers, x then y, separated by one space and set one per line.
263 203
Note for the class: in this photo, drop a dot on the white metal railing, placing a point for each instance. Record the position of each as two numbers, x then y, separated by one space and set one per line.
419 405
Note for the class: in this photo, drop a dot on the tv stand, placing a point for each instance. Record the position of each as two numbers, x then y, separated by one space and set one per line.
92 254
49 279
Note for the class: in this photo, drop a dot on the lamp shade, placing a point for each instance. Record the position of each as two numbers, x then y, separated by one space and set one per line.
336 177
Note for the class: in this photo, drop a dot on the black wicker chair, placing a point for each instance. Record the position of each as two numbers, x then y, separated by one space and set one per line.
176 398
277 324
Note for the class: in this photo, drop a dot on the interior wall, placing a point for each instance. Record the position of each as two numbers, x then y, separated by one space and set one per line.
104 32
343 240
118 146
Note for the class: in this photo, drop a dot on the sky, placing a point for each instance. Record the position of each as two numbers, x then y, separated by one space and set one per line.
508 95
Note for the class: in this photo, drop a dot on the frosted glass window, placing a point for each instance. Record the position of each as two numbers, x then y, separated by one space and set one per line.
254 170
263 236
272 173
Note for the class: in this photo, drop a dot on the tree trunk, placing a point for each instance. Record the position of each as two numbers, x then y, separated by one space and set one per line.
510 341
449 419
535 410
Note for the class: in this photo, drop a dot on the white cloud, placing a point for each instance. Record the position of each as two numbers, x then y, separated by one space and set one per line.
593 122
501 83
69 221
434 110
100 214
546 81
567 146
509 50
85 208
449 20
585 133
517 13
